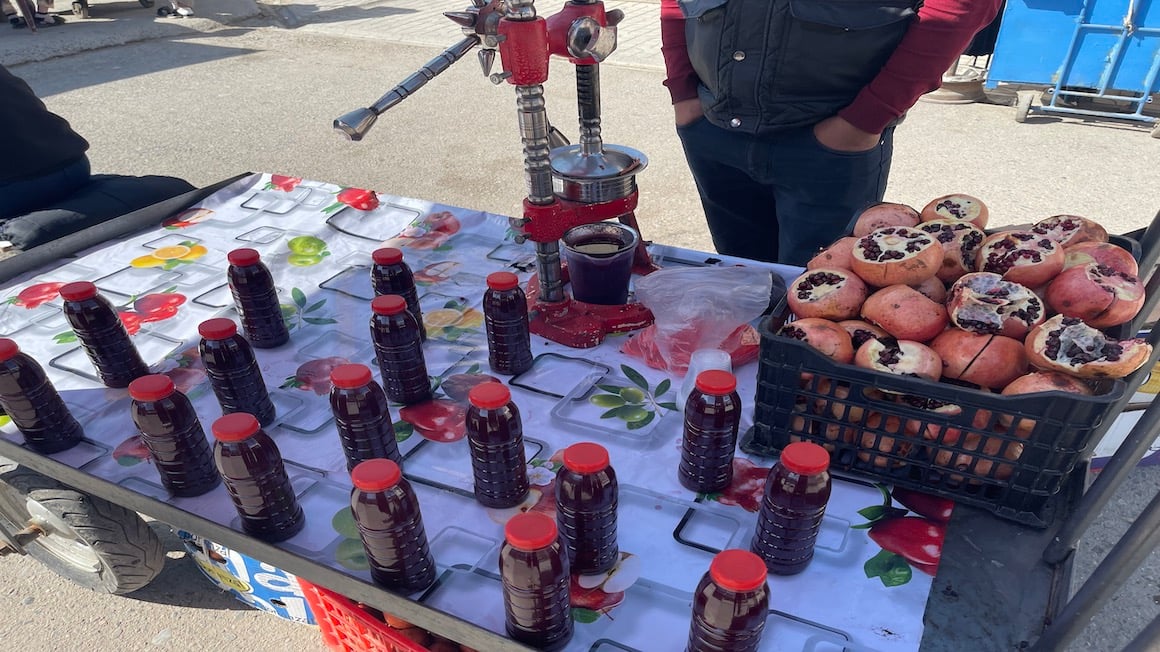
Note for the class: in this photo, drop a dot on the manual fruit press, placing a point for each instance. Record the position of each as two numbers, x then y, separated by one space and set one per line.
568 185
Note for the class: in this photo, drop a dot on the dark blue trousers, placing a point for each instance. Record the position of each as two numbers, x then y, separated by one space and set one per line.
782 198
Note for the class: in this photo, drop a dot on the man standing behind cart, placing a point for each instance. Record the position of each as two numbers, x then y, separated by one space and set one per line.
786 108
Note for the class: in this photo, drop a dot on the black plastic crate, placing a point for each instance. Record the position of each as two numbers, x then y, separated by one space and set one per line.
1008 454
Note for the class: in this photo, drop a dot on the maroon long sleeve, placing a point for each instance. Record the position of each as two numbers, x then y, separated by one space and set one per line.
935 39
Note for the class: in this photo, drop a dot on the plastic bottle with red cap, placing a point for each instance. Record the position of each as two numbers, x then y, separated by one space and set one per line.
390 525
399 350
102 335
255 477
796 492
35 407
233 370
712 417
535 572
361 415
505 319
173 434
390 274
586 501
256 299
730 605
495 436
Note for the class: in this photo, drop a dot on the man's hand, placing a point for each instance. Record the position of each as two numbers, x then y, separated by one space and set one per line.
837 134
688 111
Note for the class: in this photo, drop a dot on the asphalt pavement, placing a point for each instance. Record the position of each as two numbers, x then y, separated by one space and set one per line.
247 87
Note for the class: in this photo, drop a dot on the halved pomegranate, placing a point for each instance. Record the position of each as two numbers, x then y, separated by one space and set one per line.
884 214
1039 381
835 255
1070 230
982 302
1104 253
984 360
960 242
829 293
1097 294
905 313
1021 257
860 331
896 255
1067 344
828 338
899 357
957 207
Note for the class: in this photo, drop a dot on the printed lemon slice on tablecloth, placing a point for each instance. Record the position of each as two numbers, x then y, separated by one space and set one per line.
441 318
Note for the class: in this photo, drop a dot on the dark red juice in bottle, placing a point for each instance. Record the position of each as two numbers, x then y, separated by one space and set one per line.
36 409
390 275
233 370
505 318
712 416
172 433
534 570
399 350
360 412
256 299
390 525
586 501
495 435
255 477
796 492
102 335
730 605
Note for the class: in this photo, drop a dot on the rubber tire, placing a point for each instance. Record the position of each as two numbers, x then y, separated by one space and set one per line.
1156 130
148 4
1023 107
129 552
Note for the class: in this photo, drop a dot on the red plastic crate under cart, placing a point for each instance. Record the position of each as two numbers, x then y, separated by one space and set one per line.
348 628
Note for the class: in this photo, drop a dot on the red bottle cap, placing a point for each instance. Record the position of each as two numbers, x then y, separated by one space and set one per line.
153 387
387 256
375 475
218 328
78 291
388 304
716 382
532 531
489 395
586 457
805 458
235 427
737 570
244 257
8 349
502 281
350 376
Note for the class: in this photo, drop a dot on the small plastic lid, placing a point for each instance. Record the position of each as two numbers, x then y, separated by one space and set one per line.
350 376
388 304
235 427
218 328
531 531
244 257
737 570
805 458
8 349
375 475
502 281
489 395
586 457
716 382
153 387
387 256
78 291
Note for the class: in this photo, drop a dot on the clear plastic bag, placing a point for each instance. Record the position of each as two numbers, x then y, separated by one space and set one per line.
700 308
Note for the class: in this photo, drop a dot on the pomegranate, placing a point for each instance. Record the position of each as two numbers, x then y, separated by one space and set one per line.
982 302
840 407
960 241
1039 381
1021 257
1070 230
1097 294
899 357
882 215
905 313
981 467
957 207
980 359
884 435
835 255
1104 253
828 338
860 331
933 289
1067 344
896 255
829 293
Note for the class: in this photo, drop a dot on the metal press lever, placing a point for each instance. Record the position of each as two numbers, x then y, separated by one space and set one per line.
355 124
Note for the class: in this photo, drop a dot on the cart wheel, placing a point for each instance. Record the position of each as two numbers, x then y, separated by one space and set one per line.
80 9
1023 107
148 4
1156 130
94 543
164 12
